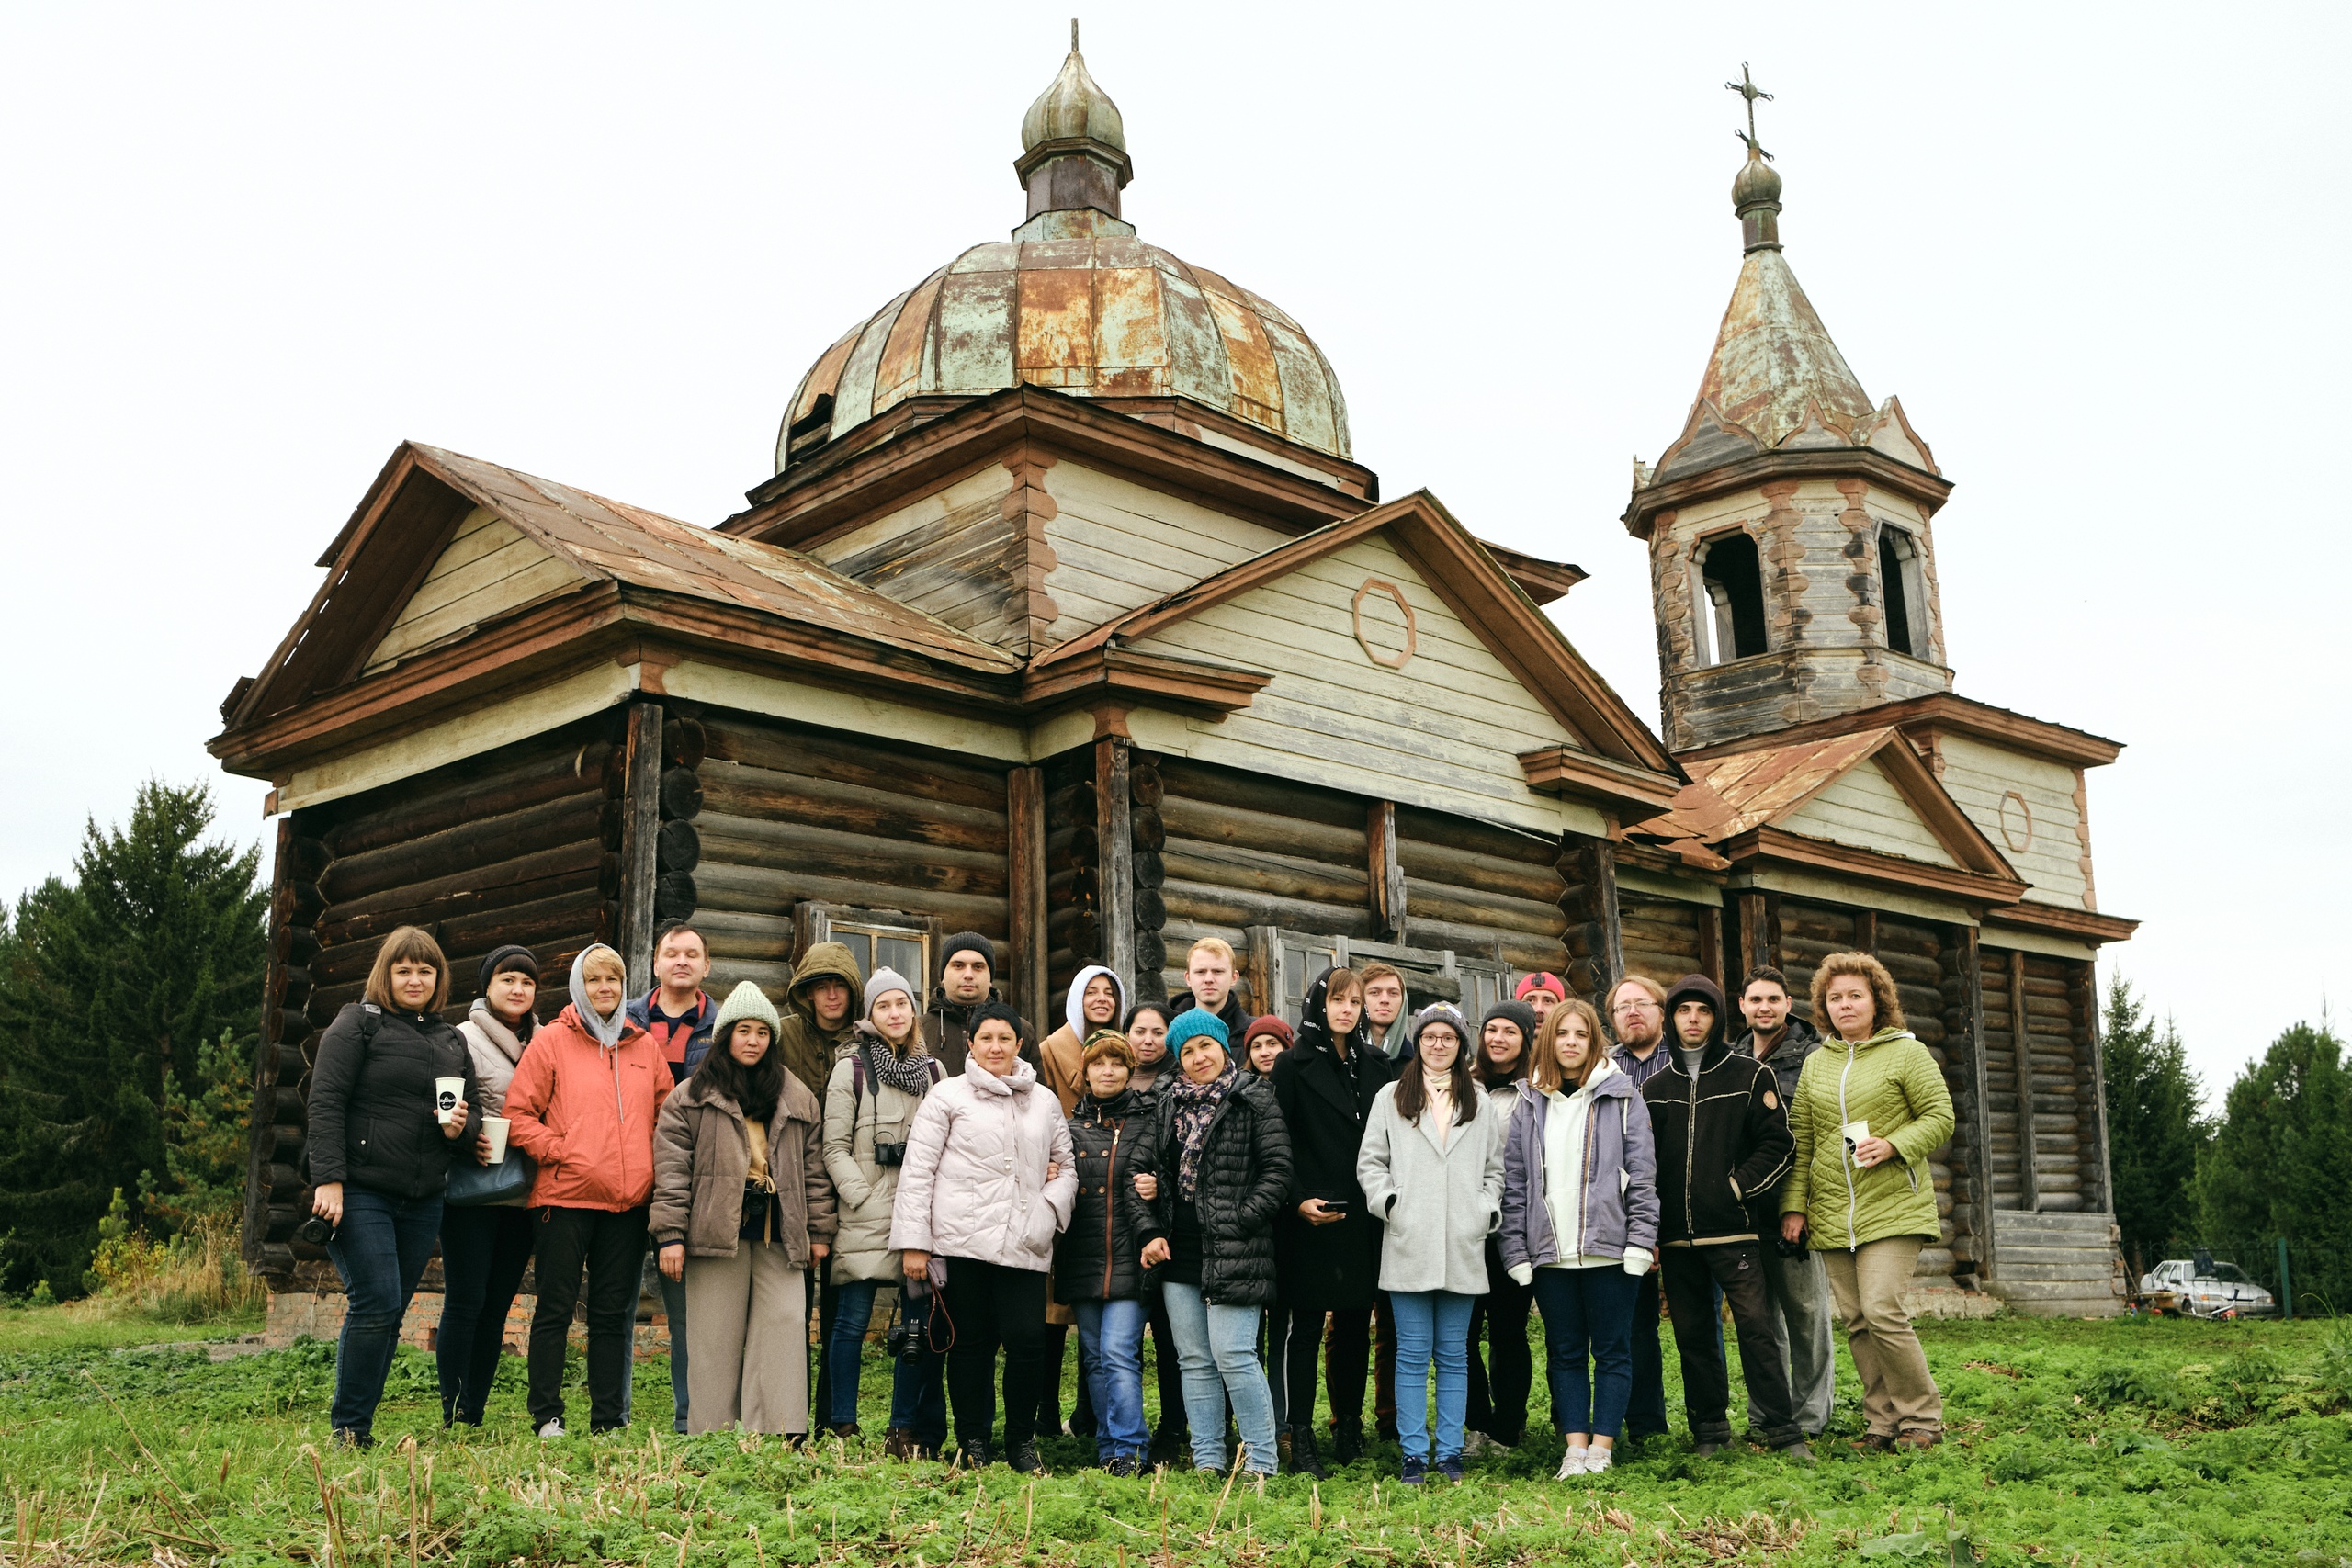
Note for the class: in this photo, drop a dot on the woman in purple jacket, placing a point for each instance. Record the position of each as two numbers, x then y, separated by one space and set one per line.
1580 1224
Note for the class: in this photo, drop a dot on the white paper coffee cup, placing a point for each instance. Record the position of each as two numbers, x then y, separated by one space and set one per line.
446 1093
1855 1132
495 1128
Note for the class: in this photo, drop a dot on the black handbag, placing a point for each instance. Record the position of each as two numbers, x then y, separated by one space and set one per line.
471 1186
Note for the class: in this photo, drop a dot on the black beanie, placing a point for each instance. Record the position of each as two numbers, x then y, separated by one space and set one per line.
1517 1013
510 956
968 941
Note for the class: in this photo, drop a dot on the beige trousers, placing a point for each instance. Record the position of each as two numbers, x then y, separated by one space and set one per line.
747 1320
1898 1392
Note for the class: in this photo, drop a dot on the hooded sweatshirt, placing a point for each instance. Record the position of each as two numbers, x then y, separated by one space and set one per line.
582 1104
808 1048
1061 1061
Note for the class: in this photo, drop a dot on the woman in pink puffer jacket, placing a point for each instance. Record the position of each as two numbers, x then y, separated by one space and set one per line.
988 1182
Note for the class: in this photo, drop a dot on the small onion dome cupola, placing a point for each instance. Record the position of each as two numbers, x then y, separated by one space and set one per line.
1073 301
1776 381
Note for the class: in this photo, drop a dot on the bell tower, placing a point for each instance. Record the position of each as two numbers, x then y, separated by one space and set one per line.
1792 560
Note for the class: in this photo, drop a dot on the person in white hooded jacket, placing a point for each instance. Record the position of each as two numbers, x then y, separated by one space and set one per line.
1580 1224
1097 1000
988 1182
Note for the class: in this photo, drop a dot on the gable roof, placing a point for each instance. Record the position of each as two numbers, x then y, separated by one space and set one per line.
1463 574
425 493
1736 792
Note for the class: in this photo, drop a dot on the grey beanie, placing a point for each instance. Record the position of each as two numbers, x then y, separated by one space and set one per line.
746 1001
881 983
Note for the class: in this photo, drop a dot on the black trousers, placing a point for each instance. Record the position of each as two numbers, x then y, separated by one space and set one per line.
611 1246
1646 1410
1693 1275
1499 1381
992 1307
1383 1369
1166 1371
1346 1359
483 1253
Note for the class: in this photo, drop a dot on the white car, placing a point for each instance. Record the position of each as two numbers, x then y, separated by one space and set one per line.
2222 1289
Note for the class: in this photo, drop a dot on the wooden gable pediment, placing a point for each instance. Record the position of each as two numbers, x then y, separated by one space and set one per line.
1393 646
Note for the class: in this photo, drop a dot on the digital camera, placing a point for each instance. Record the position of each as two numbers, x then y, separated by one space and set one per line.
890 1154
904 1342
318 1230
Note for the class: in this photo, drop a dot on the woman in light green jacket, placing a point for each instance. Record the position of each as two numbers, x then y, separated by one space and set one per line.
1870 1106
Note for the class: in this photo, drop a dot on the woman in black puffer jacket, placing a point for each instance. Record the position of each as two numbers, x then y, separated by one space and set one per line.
1220 1157
1098 1266
380 1150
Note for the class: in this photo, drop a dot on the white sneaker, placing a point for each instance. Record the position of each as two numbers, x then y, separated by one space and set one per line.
552 1430
1572 1463
1596 1462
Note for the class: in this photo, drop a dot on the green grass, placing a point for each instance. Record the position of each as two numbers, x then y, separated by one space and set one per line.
2130 1442
100 1324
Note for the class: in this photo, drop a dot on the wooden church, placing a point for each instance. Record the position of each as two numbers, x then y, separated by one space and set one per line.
1069 616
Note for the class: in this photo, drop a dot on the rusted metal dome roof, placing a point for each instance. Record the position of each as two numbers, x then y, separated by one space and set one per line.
1073 301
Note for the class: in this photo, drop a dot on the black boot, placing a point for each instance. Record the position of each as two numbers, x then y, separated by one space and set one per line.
1171 1443
975 1456
1347 1442
1304 1460
1023 1458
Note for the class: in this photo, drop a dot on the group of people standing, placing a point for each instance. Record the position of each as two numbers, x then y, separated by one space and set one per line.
1382 1198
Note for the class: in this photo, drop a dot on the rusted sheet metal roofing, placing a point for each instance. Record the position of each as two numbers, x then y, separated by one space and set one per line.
611 539
1775 380
1730 794
1102 315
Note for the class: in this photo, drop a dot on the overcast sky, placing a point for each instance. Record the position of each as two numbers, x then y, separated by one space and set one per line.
2099 254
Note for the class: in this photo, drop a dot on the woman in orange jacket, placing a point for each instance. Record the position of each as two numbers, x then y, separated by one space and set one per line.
582 1106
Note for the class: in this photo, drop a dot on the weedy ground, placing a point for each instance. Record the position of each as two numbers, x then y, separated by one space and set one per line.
2127 1442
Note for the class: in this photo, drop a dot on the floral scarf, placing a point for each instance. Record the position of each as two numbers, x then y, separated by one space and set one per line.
1196 1107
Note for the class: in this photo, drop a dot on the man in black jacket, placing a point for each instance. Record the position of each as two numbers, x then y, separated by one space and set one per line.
1797 1284
1724 1149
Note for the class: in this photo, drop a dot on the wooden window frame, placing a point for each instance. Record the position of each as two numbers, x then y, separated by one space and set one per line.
814 923
1471 981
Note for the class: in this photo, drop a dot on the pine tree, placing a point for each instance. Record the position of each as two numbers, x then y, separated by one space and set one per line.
109 988
2153 1128
2280 1166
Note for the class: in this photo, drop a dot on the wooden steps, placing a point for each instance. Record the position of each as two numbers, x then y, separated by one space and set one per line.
2056 1264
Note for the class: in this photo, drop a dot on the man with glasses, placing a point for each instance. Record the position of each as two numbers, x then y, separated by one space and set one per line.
1637 1020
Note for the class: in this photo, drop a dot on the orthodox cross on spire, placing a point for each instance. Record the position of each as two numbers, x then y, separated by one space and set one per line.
1073 35
1746 87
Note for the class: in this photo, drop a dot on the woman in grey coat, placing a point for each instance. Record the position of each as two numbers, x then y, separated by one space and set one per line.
1431 1169
1580 1224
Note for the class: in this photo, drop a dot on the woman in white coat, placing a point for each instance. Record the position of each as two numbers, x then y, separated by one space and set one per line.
988 1183
1431 1169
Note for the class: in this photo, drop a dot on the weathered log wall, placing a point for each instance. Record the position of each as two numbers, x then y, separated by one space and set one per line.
1664 937
785 814
1482 890
2040 1086
518 845
1104 839
1242 849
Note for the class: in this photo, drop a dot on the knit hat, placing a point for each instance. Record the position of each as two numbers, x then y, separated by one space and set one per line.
1438 1013
881 983
1540 982
746 1001
1266 1025
512 957
1517 1013
1196 1021
967 941
1694 988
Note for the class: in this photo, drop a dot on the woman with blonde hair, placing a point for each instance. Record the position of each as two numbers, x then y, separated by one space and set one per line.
1870 1106
1580 1224
381 1145
582 1105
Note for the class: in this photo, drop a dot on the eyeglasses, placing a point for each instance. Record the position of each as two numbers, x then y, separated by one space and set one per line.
1635 1006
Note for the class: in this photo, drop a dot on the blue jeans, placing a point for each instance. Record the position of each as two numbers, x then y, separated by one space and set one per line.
918 1396
1589 1311
1111 1335
380 1253
1431 1326
1217 1347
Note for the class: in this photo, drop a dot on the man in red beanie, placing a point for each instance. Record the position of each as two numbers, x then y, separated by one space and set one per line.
1541 992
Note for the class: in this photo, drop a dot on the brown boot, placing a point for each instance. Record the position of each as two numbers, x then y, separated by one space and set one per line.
1873 1442
1916 1437
898 1442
